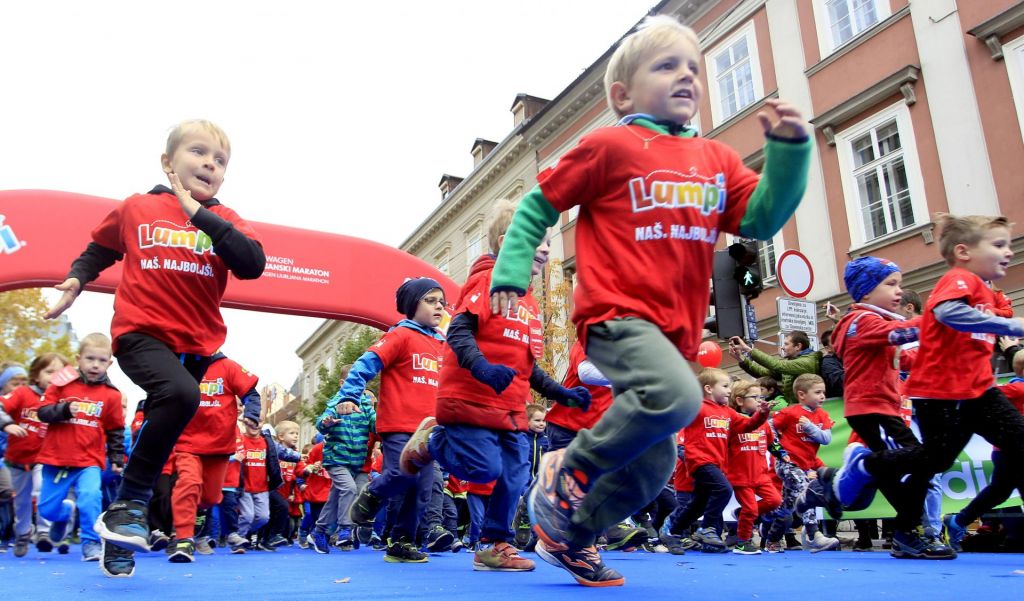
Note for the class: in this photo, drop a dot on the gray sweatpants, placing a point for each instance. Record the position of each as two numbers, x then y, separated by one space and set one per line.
254 512
345 482
629 455
26 487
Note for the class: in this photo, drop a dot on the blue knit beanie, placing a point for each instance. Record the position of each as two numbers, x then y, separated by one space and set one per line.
411 292
864 274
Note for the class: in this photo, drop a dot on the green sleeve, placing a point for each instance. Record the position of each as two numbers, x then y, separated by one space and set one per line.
758 371
529 226
780 190
806 364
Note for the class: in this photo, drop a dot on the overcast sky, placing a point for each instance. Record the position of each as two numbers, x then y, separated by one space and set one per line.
322 101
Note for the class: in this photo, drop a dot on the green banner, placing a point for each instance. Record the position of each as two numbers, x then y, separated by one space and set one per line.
960 483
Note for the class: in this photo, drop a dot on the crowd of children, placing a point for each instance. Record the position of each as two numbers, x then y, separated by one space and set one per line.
455 443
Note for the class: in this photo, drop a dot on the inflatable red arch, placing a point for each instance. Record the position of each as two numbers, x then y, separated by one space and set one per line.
308 273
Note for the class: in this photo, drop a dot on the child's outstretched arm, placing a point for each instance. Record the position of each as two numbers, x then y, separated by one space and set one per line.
530 224
578 397
787 158
251 406
346 400
86 268
959 316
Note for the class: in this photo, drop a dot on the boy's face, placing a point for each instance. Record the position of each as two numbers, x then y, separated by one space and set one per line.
748 402
199 162
250 431
537 423
887 294
540 258
430 309
665 84
990 257
813 397
93 362
719 391
289 438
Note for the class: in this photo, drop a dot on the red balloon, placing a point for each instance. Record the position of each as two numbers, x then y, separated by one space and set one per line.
709 354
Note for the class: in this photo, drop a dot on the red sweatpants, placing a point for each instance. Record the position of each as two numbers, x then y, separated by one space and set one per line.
750 507
200 478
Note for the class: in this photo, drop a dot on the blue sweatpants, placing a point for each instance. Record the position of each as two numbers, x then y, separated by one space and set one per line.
482 455
410 493
57 481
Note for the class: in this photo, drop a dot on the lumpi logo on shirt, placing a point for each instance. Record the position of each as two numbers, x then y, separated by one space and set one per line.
708 196
175 236
424 362
212 387
89 408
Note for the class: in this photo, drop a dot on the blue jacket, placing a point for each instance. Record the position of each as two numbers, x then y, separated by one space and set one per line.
346 442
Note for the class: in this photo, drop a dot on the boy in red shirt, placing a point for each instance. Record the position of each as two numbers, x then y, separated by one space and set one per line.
201 456
706 442
748 471
26 435
261 473
866 339
653 200
408 358
958 331
86 427
488 370
179 245
801 428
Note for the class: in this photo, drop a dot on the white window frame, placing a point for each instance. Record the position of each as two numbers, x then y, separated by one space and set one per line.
475 230
911 162
1013 56
714 93
826 42
443 261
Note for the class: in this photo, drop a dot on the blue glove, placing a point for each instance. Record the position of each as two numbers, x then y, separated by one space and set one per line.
251 413
578 397
497 377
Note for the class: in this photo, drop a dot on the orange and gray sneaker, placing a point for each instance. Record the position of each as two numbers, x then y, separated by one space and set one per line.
584 564
501 557
416 453
555 495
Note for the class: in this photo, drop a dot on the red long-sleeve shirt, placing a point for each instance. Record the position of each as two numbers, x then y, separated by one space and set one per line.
707 436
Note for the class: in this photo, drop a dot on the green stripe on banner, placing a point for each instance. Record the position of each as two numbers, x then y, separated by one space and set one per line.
960 484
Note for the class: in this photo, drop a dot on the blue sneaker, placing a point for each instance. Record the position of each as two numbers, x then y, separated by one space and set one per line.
124 523
673 542
116 562
346 540
59 529
91 550
318 540
852 479
955 533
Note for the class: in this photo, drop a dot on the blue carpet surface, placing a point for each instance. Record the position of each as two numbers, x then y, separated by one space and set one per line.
296 574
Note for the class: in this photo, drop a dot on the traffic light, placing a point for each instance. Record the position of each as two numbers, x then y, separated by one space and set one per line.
728 318
747 272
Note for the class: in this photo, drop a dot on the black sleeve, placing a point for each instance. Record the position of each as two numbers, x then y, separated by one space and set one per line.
833 373
461 340
542 383
115 446
1010 352
92 261
56 412
243 255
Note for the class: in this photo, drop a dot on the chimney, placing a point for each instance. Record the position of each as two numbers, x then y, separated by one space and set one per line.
447 184
525 107
481 148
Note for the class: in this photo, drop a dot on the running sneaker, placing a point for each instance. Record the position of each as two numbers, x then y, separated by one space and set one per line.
116 562
584 564
439 539
183 551
318 541
555 495
913 545
124 523
746 547
501 557
852 483
625 537
819 542
204 547
710 541
416 452
92 550
955 533
774 547
44 544
365 507
237 543
403 551
21 544
158 541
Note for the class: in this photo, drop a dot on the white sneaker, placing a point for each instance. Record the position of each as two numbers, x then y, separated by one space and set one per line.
819 543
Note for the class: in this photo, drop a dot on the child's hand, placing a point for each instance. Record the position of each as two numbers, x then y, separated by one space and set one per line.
117 469
832 312
739 344
791 124
812 475
1006 342
71 288
765 405
240 456
347 407
329 422
803 421
503 302
248 421
188 204
16 431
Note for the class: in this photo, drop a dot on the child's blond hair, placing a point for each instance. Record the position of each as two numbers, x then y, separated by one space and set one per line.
179 131
285 426
96 341
740 388
498 221
655 32
1018 363
709 376
967 230
805 382
533 409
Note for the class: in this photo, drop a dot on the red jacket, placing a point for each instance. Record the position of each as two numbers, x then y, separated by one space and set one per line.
86 425
515 341
802 450
707 436
572 418
748 456
865 340
22 404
